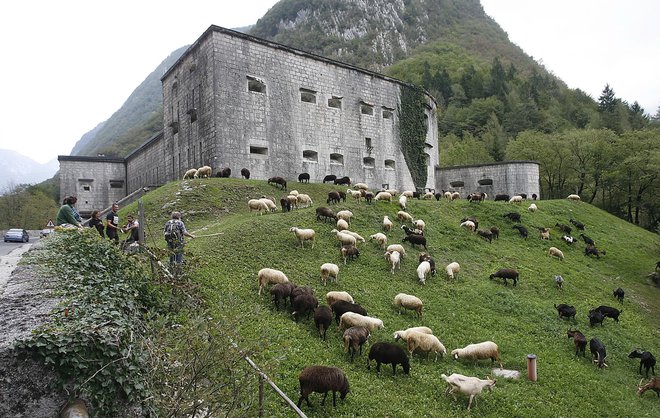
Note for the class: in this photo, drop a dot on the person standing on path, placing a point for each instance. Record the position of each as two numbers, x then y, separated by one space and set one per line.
112 224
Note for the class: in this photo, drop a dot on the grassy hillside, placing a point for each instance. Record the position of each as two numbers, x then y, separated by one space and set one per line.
521 319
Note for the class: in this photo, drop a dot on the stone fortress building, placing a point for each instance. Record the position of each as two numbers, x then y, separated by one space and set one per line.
234 100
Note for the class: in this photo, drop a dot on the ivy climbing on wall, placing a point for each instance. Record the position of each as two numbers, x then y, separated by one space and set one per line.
412 131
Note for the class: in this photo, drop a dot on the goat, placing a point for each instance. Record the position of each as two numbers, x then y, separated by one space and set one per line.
522 230
646 360
597 349
565 311
587 240
564 228
578 225
619 294
591 250
579 340
609 312
654 385
595 317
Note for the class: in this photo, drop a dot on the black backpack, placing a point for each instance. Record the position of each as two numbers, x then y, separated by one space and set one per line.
172 232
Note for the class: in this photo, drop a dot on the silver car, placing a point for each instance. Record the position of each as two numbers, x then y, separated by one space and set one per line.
17 235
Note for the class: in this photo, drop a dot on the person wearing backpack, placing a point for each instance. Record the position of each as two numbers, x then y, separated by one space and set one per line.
174 231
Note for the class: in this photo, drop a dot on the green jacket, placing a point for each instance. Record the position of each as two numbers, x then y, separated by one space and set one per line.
65 216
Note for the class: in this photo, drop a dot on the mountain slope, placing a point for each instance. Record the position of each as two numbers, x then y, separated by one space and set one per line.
19 169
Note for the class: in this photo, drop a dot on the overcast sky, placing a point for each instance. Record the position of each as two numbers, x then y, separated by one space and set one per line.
69 65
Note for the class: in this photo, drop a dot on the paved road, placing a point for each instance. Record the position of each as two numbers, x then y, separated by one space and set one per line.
10 255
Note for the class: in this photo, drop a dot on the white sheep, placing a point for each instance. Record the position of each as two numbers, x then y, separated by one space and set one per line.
573 197
410 302
346 215
403 201
293 200
447 195
304 235
403 334
516 199
352 319
342 225
190 174
329 270
452 269
355 194
556 252
345 239
404 216
387 223
380 238
294 193
426 343
271 205
204 172
355 235
258 205
334 296
423 270
267 276
393 192
479 351
394 258
428 196
383 196
407 193
361 186
419 224
532 207
467 385
468 225
304 200
455 196
397 247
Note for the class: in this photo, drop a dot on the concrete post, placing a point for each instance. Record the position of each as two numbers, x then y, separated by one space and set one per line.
531 367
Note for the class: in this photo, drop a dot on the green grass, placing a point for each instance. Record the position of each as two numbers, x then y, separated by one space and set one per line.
521 319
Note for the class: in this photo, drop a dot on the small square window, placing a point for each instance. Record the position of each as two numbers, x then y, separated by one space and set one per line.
256 85
336 159
387 113
87 188
369 162
335 102
390 164
307 96
366 109
310 156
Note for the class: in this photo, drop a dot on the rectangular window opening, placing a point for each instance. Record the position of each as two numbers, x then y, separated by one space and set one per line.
366 109
258 150
335 101
307 96
336 159
457 183
116 184
387 113
390 164
310 156
485 182
87 188
369 162
256 85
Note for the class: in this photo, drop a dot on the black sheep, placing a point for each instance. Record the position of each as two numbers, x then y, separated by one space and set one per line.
609 312
224 173
506 274
595 317
354 338
495 231
280 292
597 349
565 228
512 216
340 307
566 311
619 294
587 240
349 252
303 178
342 195
388 353
579 340
486 234
344 181
502 197
278 180
245 173
322 379
303 305
368 196
578 225
591 250
325 213
646 360
299 290
415 239
329 178
333 197
286 205
322 319
522 230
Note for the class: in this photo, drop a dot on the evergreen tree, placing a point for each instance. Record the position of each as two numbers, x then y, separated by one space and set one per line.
498 80
607 100
638 120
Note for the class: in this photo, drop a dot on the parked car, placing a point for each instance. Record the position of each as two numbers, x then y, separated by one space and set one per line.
17 235
46 231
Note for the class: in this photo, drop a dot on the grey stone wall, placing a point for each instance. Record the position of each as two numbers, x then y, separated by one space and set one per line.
96 181
510 177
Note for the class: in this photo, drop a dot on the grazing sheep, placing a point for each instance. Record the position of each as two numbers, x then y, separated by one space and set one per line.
286 205
380 238
415 239
394 258
345 181
303 178
573 197
204 172
579 225
258 205
270 203
304 200
280 292
568 239
532 207
294 193
397 247
388 353
427 257
344 238
455 196
361 186
384 196
278 181
480 351
355 235
403 201
466 385
559 281
349 252
452 270
322 320
354 338
564 228
579 340
403 334
597 349
346 215
267 276
304 235
591 250
329 178
387 223
556 252
646 360
505 274
224 173
408 193
340 307
404 216
423 270
329 270
521 230
502 198
410 302
469 225
419 224
325 213
293 200
495 231
619 294
486 234
426 343
190 174
352 319
516 199
333 197
410 231
322 379
512 216
334 296
428 195
355 194
471 219
477 197
368 196
565 311
342 225
544 233
446 195
393 192
245 173
303 304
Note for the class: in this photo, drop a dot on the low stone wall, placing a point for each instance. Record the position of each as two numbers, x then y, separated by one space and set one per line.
508 177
